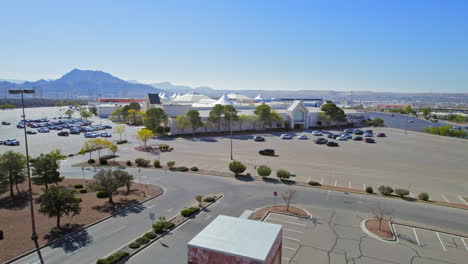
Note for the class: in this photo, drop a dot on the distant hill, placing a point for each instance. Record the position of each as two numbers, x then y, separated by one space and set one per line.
12 81
84 84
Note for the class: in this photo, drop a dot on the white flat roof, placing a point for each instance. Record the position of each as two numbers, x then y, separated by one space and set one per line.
237 236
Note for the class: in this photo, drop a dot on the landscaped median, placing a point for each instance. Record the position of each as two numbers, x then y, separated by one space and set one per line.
380 229
160 229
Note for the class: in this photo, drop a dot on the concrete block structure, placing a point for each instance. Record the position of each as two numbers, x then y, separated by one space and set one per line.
232 240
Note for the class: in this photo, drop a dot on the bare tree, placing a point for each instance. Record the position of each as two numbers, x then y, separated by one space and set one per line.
289 196
382 213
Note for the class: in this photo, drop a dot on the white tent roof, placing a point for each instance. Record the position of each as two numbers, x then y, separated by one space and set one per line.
236 96
224 100
190 97
163 96
259 97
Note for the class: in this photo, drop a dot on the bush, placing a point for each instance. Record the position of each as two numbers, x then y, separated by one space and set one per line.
283 174
314 183
91 161
237 167
142 240
79 199
248 174
164 147
150 235
194 169
170 164
182 168
401 192
84 190
424 196
209 199
369 189
264 171
78 186
114 258
189 211
157 164
162 225
121 142
134 245
385 190
142 162
102 194
129 163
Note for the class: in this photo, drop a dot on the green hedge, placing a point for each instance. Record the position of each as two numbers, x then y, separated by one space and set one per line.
314 183
78 186
134 245
150 235
142 240
209 199
189 211
162 225
194 169
140 162
83 190
182 168
102 194
114 258
121 142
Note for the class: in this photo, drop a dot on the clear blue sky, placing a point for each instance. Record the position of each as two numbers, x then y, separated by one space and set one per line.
377 45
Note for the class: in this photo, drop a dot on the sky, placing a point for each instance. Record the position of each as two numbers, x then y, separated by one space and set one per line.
347 45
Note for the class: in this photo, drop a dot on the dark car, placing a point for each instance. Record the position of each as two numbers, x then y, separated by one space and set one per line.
107 127
335 136
369 131
357 138
358 132
6 123
320 141
369 140
267 152
332 144
381 135
63 133
75 131
31 132
348 130
43 130
258 138
330 135
19 126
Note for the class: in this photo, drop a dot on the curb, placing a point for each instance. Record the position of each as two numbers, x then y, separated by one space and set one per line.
84 228
367 232
281 213
433 229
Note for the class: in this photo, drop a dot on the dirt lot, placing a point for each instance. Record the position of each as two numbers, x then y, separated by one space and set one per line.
16 224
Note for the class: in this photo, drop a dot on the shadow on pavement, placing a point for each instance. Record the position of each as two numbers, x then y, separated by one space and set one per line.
244 178
80 238
119 208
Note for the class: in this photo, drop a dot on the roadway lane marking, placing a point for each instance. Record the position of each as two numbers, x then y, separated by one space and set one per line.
463 200
321 181
336 182
286 222
292 230
308 180
290 238
445 198
289 248
440 240
416 235
463 240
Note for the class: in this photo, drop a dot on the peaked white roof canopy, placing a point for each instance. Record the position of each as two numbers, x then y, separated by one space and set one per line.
236 96
190 97
223 100
259 98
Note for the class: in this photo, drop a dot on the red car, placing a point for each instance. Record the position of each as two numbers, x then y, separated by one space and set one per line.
381 135
369 140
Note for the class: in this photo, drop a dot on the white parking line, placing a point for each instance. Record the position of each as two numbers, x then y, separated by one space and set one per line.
364 186
292 230
437 233
308 179
336 182
286 258
463 200
290 238
463 240
321 181
445 198
416 235
289 248
349 184
411 194
286 221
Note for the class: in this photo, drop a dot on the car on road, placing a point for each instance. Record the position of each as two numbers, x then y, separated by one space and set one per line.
368 135
11 142
63 134
107 127
285 136
302 137
369 140
258 138
43 130
380 135
358 132
357 138
332 144
410 121
105 134
31 132
6 123
90 135
317 133
267 152
320 141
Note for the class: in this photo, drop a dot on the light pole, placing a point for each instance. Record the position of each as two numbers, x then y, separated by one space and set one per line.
231 140
34 236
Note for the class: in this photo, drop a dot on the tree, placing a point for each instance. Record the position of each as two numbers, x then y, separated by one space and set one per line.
334 112
230 115
237 167
153 119
85 113
114 148
408 110
132 116
381 213
125 112
99 144
288 196
135 106
118 112
144 135
242 120
107 181
93 110
275 116
124 178
385 190
264 171
424 196
283 174
120 130
199 199
263 113
46 168
13 164
59 201
426 112
401 192
194 119
216 114
69 112
181 123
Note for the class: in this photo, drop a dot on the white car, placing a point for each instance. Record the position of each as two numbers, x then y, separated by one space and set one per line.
302 137
342 138
368 135
410 121
346 135
316 133
285 136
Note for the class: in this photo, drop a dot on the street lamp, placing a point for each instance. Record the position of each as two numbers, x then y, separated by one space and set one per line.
34 236
231 140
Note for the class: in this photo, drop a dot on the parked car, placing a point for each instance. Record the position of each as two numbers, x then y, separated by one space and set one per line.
267 152
107 127
381 135
335 136
342 138
368 135
11 142
105 134
75 131
410 121
90 135
346 135
317 133
370 131
357 138
258 138
369 140
320 141
31 132
330 135
6 123
43 130
63 134
358 132
302 137
348 130
332 144
19 126
285 136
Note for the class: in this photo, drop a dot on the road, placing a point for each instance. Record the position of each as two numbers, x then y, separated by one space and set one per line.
103 238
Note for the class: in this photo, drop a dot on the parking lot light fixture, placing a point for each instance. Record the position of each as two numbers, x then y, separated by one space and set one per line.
34 235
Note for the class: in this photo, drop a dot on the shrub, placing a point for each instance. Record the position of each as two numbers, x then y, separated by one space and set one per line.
134 245
194 169
142 162
164 147
142 240
157 164
91 161
79 199
385 190
150 235
102 194
369 189
84 190
209 199
114 258
283 174
237 167
121 142
264 171
424 196
182 168
401 192
248 174
78 186
170 164
129 163
162 225
189 211
314 183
